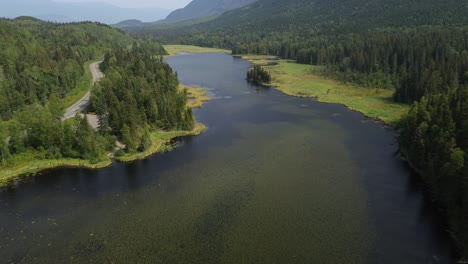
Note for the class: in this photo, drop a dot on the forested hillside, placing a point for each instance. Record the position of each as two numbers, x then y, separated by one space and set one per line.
307 18
41 60
419 49
41 64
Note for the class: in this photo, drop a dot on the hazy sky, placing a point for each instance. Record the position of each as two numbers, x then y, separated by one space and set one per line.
166 4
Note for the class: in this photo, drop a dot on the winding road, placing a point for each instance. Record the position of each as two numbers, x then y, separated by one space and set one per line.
81 104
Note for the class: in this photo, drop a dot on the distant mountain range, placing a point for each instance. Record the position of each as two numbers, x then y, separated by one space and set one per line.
71 12
197 11
205 8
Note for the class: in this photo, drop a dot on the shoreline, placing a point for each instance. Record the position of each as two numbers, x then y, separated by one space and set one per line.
389 122
197 96
298 80
160 140
38 166
174 50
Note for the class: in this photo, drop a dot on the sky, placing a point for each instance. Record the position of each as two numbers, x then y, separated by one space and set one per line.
166 4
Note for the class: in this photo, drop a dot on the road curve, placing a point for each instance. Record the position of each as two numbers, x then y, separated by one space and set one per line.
81 104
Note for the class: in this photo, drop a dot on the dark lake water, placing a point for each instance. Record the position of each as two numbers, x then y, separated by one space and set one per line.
275 179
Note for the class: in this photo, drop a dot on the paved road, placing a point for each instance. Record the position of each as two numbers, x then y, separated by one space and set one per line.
81 104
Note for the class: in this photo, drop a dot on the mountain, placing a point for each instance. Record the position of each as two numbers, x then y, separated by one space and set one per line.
344 15
271 22
196 12
263 20
72 12
205 8
129 23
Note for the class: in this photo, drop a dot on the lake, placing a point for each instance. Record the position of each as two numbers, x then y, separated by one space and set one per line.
275 179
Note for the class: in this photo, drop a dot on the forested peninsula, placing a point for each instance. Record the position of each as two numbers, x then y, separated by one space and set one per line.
44 69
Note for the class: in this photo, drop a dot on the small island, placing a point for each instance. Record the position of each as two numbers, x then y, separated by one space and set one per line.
258 76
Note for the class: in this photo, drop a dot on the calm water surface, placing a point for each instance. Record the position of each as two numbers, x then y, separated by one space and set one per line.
275 179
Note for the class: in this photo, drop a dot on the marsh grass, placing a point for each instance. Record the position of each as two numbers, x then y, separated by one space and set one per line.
197 96
173 50
28 165
303 81
160 142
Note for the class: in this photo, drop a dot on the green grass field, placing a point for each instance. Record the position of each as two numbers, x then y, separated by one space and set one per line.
178 49
299 80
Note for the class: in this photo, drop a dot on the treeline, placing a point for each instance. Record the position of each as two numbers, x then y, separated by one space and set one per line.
40 63
258 76
40 60
139 94
413 62
434 138
38 132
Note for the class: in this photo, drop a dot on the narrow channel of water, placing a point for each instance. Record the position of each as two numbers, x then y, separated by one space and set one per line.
275 179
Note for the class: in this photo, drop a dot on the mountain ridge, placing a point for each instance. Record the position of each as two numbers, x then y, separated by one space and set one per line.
205 8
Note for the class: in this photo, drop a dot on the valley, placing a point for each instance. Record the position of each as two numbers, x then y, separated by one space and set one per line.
245 189
234 131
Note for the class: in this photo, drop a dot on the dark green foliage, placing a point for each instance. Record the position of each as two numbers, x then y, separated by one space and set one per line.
39 60
39 64
140 93
304 19
258 76
4 149
434 138
41 130
42 62
119 153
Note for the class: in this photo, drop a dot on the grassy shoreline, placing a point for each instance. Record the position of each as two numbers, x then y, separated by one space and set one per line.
8 175
289 77
174 50
300 80
160 140
160 143
197 96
